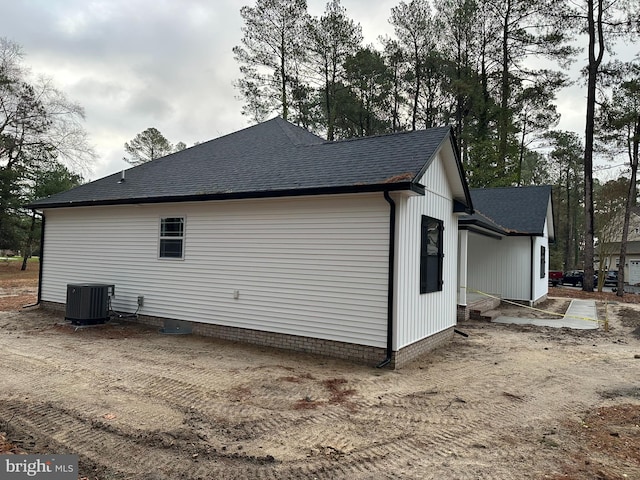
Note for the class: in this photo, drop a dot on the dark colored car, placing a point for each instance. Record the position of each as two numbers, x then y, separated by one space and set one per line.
612 278
573 277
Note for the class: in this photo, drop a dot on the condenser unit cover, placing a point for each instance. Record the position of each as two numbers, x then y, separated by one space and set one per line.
88 303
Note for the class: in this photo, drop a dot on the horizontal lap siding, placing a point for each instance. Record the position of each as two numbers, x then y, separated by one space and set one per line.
306 266
421 315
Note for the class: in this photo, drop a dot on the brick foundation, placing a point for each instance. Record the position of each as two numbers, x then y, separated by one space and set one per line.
415 350
462 313
348 351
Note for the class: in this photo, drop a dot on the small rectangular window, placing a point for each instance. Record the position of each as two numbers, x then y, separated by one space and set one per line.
431 255
171 237
543 261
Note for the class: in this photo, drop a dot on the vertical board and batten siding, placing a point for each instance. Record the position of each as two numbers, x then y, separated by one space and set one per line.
500 267
418 316
309 266
540 285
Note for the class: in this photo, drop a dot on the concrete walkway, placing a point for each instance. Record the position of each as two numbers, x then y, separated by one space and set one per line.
581 315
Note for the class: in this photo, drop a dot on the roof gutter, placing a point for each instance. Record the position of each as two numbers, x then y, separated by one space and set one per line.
407 186
390 282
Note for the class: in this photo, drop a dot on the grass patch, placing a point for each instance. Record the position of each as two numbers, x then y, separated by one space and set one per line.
10 269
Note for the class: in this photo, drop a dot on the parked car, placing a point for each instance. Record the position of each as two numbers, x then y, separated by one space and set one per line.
576 277
612 278
573 277
555 277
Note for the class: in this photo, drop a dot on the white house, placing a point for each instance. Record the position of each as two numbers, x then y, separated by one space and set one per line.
609 250
273 236
506 244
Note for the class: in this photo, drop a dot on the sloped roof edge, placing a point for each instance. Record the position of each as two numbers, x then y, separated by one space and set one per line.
512 211
275 158
395 187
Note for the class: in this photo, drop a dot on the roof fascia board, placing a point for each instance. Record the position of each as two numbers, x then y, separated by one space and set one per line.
414 188
551 224
481 231
461 174
471 224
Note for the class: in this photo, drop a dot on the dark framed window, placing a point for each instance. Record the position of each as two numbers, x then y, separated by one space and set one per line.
172 237
543 261
431 255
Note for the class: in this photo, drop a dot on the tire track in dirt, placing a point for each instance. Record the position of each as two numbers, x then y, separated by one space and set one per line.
210 406
231 412
110 446
181 392
100 446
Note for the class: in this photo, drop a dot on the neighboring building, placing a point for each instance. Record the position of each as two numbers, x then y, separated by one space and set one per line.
506 243
273 236
610 250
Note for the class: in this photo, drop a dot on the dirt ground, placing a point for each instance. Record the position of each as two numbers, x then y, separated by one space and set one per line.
507 401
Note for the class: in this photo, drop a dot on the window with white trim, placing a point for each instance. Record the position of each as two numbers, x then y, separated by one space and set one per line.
171 243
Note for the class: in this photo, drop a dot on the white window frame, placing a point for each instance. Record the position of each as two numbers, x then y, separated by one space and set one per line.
162 237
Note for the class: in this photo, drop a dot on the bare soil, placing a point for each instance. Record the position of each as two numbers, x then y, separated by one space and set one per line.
507 401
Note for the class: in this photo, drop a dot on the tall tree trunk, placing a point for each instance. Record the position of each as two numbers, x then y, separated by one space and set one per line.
283 80
459 99
521 152
328 95
505 90
596 52
483 116
568 262
396 99
416 96
29 242
629 203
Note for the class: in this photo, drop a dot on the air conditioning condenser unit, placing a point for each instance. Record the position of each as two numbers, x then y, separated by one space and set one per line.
88 303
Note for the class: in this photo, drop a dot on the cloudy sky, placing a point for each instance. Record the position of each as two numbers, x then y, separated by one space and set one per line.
134 64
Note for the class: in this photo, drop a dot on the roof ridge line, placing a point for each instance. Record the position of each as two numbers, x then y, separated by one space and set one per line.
381 135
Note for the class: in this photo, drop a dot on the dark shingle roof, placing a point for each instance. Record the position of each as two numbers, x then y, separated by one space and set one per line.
273 158
510 210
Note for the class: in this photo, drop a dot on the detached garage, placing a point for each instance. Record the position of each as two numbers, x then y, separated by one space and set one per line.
274 236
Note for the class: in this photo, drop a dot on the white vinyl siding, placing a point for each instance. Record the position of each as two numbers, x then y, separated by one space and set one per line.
540 285
310 266
500 266
504 267
421 315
